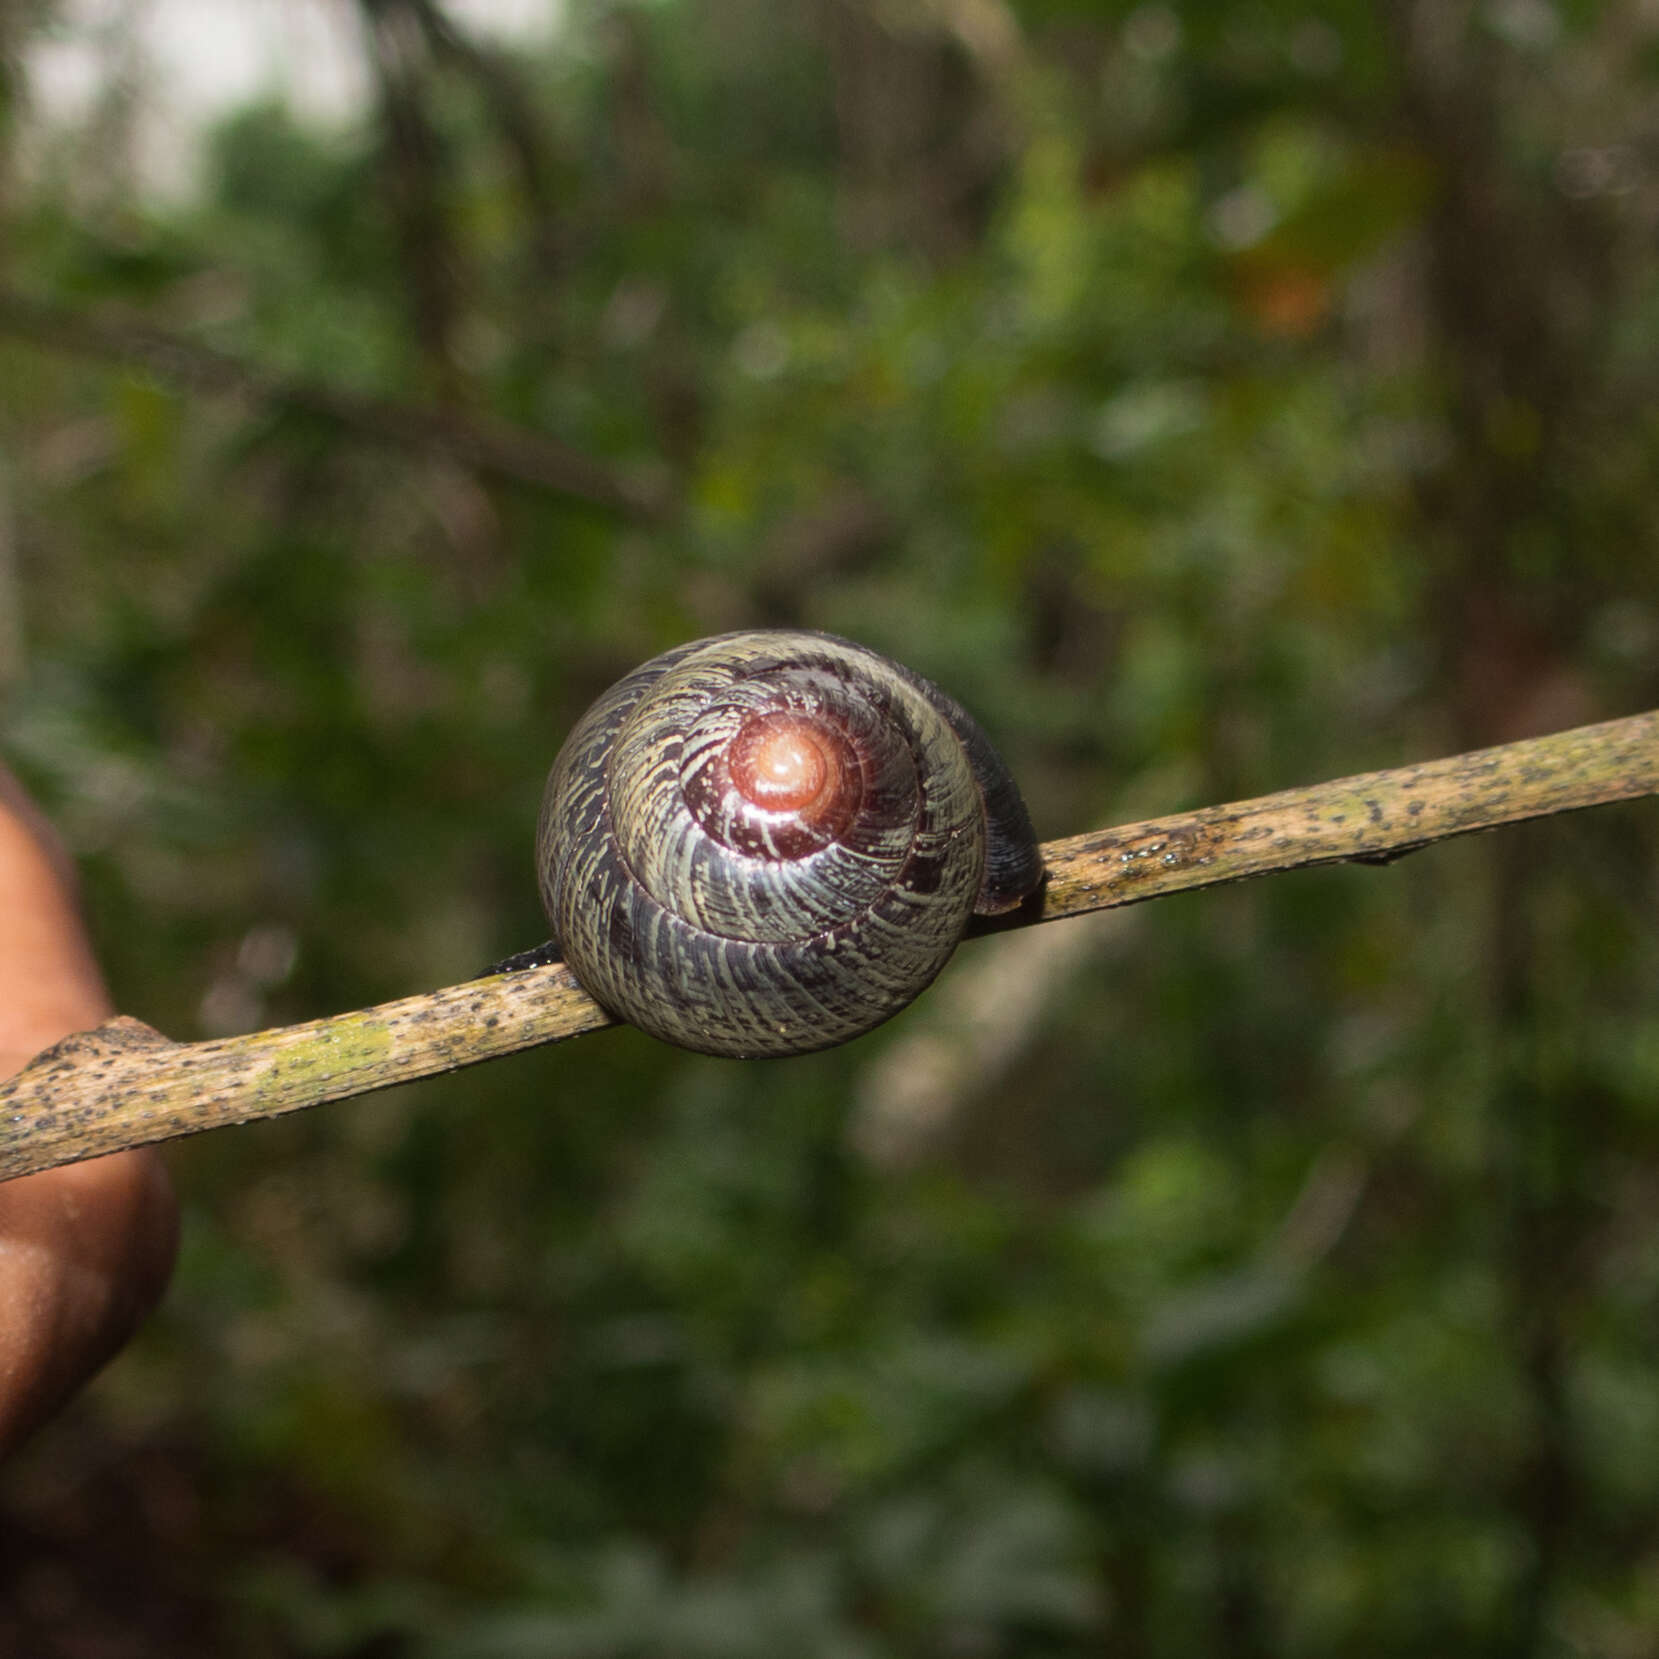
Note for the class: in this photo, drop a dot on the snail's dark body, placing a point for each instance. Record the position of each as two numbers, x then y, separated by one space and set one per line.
766 843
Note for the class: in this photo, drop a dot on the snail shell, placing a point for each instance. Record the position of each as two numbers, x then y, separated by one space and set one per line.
769 842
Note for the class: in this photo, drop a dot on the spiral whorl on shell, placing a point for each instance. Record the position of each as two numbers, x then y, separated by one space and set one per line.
766 843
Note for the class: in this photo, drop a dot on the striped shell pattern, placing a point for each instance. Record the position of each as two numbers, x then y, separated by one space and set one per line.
768 842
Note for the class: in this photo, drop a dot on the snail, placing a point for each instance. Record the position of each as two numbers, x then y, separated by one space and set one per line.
769 842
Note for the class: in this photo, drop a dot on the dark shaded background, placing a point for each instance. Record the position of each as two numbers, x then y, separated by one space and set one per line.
1217 396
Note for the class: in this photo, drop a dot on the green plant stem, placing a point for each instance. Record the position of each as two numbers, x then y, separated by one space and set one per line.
124 1084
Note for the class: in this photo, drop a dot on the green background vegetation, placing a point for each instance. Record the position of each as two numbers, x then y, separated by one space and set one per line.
1217 397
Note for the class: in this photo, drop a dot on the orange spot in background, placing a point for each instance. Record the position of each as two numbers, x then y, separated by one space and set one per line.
1284 299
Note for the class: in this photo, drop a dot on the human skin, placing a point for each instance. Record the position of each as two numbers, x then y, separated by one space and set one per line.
85 1251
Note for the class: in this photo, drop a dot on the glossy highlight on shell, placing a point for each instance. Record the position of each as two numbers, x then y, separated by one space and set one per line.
769 842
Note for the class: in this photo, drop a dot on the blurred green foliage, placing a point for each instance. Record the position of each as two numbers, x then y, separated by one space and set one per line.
1218 397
